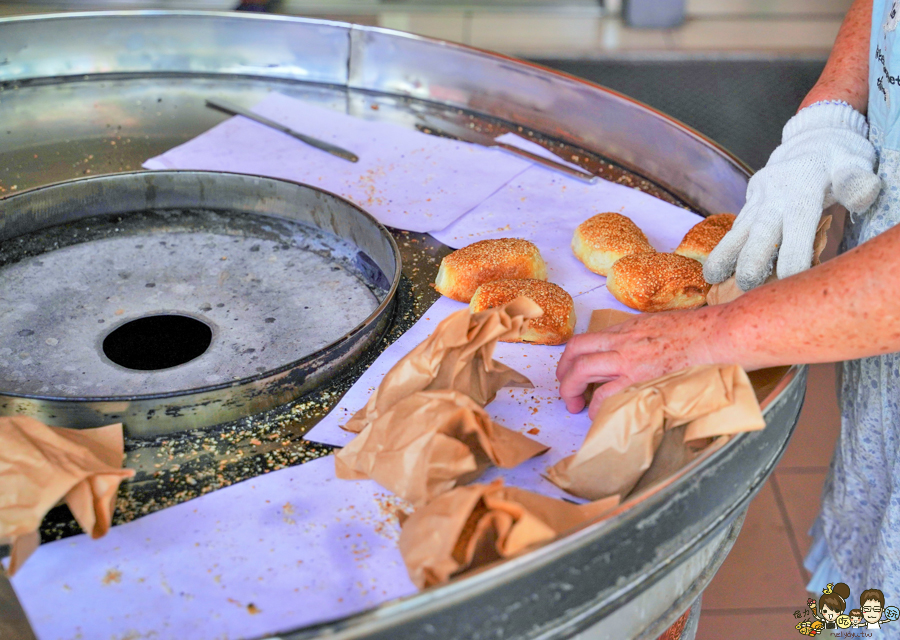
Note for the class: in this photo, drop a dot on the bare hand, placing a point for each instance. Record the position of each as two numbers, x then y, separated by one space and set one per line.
635 351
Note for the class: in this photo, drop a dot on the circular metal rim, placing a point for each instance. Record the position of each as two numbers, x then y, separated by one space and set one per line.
250 380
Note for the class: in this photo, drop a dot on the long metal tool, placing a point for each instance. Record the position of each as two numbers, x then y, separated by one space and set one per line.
489 141
235 110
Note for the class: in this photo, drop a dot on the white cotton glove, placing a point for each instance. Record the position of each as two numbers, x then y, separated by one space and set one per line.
824 157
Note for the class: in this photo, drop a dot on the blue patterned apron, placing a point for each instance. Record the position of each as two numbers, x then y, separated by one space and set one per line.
857 534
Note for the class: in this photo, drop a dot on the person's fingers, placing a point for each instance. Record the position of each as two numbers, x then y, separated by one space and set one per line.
796 251
754 264
587 369
719 266
855 187
578 346
605 391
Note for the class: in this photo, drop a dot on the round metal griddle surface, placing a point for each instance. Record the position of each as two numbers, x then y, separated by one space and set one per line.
99 277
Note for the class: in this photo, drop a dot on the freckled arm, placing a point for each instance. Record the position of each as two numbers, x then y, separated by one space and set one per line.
846 74
844 309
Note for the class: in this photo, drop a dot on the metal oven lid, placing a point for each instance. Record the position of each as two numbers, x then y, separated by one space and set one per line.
173 300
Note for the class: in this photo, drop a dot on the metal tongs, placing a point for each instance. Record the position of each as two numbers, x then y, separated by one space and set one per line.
485 140
235 110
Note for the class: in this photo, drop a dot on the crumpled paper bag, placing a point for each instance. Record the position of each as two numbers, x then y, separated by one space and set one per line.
711 400
729 290
457 355
429 442
474 525
41 465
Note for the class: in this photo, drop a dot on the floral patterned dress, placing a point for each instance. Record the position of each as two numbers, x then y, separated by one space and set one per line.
857 534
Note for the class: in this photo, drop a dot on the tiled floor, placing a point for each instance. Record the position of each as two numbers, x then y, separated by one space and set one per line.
566 28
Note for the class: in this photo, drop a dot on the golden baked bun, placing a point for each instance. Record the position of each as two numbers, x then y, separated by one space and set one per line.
704 236
554 327
658 282
601 240
468 268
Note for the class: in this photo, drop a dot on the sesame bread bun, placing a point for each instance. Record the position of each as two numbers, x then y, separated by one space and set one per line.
557 324
658 282
704 236
466 269
601 240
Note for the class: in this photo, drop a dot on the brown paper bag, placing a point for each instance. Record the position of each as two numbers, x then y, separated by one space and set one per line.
459 356
428 443
472 526
41 465
711 400
729 290
603 318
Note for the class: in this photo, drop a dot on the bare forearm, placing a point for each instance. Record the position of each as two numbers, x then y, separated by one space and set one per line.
845 76
844 309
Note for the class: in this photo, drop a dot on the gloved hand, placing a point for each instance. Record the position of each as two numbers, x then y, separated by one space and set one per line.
824 157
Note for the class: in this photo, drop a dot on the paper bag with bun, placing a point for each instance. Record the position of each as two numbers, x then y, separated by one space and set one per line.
710 400
475 525
428 443
729 290
458 356
41 465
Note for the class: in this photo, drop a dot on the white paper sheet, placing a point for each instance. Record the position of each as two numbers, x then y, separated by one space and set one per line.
538 412
545 207
281 551
404 178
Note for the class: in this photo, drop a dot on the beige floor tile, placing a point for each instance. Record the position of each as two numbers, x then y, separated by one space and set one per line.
800 34
800 493
820 422
444 25
746 626
540 33
767 7
761 570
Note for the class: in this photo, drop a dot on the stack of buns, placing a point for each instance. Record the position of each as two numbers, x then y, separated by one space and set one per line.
490 273
612 245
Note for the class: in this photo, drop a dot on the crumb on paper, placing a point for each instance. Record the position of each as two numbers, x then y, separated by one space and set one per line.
534 431
252 609
113 575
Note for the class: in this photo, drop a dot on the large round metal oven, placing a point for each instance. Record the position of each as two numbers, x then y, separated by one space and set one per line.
87 94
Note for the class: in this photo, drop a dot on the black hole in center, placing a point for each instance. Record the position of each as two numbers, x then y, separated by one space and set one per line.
157 342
